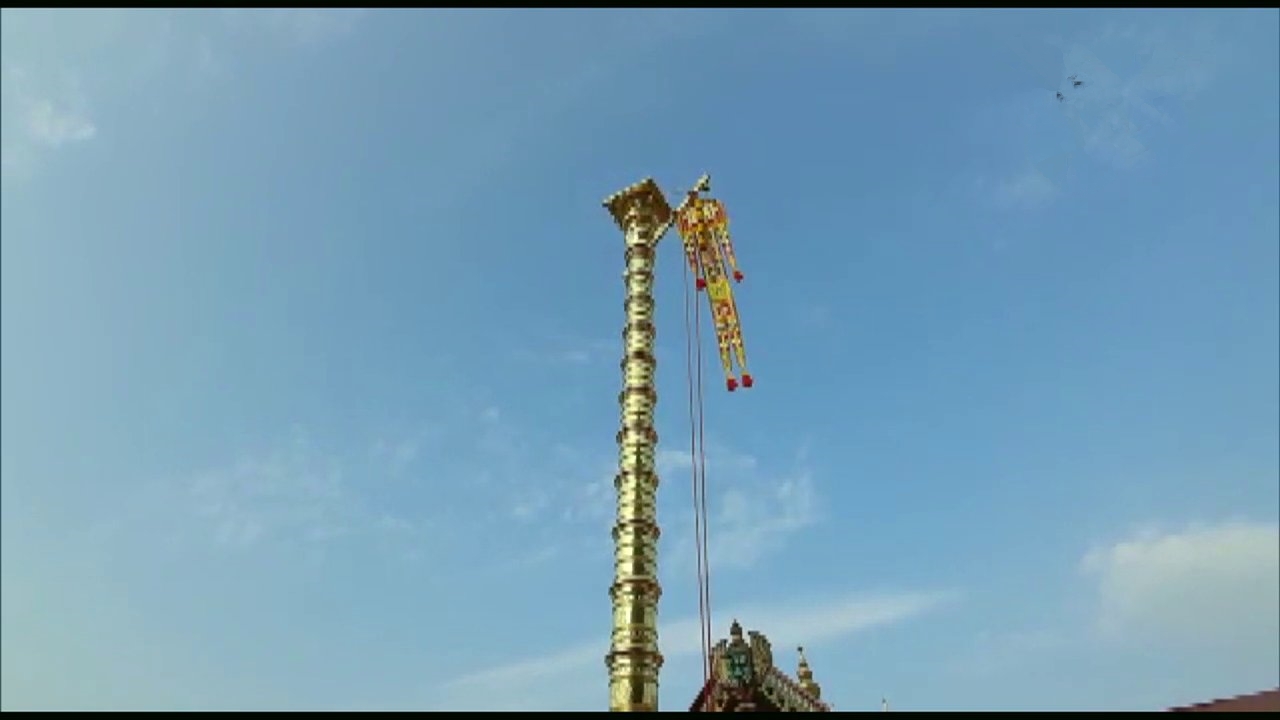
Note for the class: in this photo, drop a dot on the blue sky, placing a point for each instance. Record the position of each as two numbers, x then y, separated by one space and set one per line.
311 329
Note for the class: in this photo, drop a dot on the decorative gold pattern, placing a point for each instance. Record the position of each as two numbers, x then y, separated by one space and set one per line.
805 674
634 661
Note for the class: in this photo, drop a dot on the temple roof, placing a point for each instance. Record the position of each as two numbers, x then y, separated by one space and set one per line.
744 677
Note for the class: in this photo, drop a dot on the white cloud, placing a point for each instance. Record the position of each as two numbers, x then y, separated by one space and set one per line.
1184 615
554 681
1216 585
54 125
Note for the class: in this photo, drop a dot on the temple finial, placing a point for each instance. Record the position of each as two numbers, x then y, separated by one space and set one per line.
805 674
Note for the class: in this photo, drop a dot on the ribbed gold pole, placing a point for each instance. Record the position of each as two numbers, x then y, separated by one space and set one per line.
633 659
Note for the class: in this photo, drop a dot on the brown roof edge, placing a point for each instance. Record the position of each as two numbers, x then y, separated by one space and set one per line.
1265 701
699 702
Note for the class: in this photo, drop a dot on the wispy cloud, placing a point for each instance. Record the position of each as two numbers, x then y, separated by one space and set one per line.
560 494
399 455
297 27
592 501
536 491
550 681
754 511
1102 111
1112 111
409 493
877 37
1030 189
40 117
53 115
294 495
524 472
997 652
207 63
571 352
813 315
55 125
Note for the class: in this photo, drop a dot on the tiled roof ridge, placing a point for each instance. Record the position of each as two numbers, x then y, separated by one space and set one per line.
1232 699
795 686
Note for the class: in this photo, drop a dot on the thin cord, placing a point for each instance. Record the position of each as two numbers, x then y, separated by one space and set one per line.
694 417
702 491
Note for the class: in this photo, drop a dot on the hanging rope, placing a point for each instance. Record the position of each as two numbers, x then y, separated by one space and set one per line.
697 454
